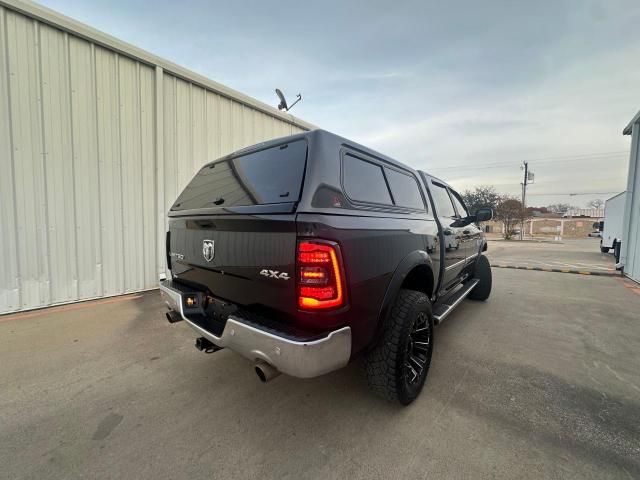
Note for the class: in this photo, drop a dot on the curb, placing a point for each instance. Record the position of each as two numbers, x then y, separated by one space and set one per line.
558 270
526 240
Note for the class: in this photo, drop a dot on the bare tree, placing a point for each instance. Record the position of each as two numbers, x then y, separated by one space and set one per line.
598 203
510 212
560 207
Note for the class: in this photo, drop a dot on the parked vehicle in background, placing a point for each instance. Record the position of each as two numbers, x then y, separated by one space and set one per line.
613 224
305 252
597 229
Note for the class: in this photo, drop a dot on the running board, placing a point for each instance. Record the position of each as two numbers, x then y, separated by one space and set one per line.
443 310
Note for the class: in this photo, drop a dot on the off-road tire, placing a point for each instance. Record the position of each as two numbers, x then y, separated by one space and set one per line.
386 364
482 271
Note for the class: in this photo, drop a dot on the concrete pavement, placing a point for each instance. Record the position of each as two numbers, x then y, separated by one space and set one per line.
577 255
521 386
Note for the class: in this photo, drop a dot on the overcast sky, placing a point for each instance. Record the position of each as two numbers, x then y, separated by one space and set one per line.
465 90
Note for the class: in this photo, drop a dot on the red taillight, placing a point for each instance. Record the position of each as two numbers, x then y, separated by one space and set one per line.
313 275
313 256
320 276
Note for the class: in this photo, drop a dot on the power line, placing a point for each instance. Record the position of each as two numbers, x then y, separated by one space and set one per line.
626 152
513 164
573 194
547 160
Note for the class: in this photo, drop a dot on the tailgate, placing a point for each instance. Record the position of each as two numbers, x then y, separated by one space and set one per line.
242 259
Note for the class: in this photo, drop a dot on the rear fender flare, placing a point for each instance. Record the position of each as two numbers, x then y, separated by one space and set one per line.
408 263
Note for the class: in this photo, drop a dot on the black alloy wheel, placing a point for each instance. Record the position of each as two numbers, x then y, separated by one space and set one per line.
418 349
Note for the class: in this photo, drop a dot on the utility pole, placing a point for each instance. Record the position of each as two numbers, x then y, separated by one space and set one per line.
524 197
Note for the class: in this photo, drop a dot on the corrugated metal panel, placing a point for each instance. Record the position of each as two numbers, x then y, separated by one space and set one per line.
87 236
45 15
95 145
59 167
109 168
9 284
25 103
631 238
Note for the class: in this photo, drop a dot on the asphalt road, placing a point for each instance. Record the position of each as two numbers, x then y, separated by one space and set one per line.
576 254
541 381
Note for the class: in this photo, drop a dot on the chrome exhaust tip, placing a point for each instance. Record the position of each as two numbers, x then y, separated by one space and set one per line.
265 371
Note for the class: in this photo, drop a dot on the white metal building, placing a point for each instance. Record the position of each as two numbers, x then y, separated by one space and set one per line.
97 138
630 251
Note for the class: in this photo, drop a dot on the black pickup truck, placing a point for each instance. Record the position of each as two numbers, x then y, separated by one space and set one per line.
305 252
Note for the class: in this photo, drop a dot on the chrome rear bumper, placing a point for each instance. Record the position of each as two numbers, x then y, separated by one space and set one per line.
302 359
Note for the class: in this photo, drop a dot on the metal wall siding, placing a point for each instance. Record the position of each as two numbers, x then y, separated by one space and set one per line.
86 172
148 165
632 263
59 163
169 185
9 285
95 146
30 200
108 140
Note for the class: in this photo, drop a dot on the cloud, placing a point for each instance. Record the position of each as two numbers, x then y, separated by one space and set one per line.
433 84
581 110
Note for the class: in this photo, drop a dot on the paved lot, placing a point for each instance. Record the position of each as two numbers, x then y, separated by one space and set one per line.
522 386
575 254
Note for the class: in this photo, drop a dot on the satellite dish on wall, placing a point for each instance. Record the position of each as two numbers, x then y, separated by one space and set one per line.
283 101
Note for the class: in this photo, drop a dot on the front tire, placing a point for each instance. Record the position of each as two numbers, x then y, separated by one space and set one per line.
398 365
603 249
482 271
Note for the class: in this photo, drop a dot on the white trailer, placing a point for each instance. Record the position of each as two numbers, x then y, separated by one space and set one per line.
613 224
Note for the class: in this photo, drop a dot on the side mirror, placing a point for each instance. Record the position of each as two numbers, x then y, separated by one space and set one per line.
483 214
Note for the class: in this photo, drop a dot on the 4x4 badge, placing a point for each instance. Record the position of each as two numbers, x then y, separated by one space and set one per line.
208 250
275 274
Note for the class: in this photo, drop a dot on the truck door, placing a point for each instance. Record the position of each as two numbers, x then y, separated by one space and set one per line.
452 241
471 234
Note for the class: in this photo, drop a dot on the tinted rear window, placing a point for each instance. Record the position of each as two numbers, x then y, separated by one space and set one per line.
404 189
364 181
268 176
